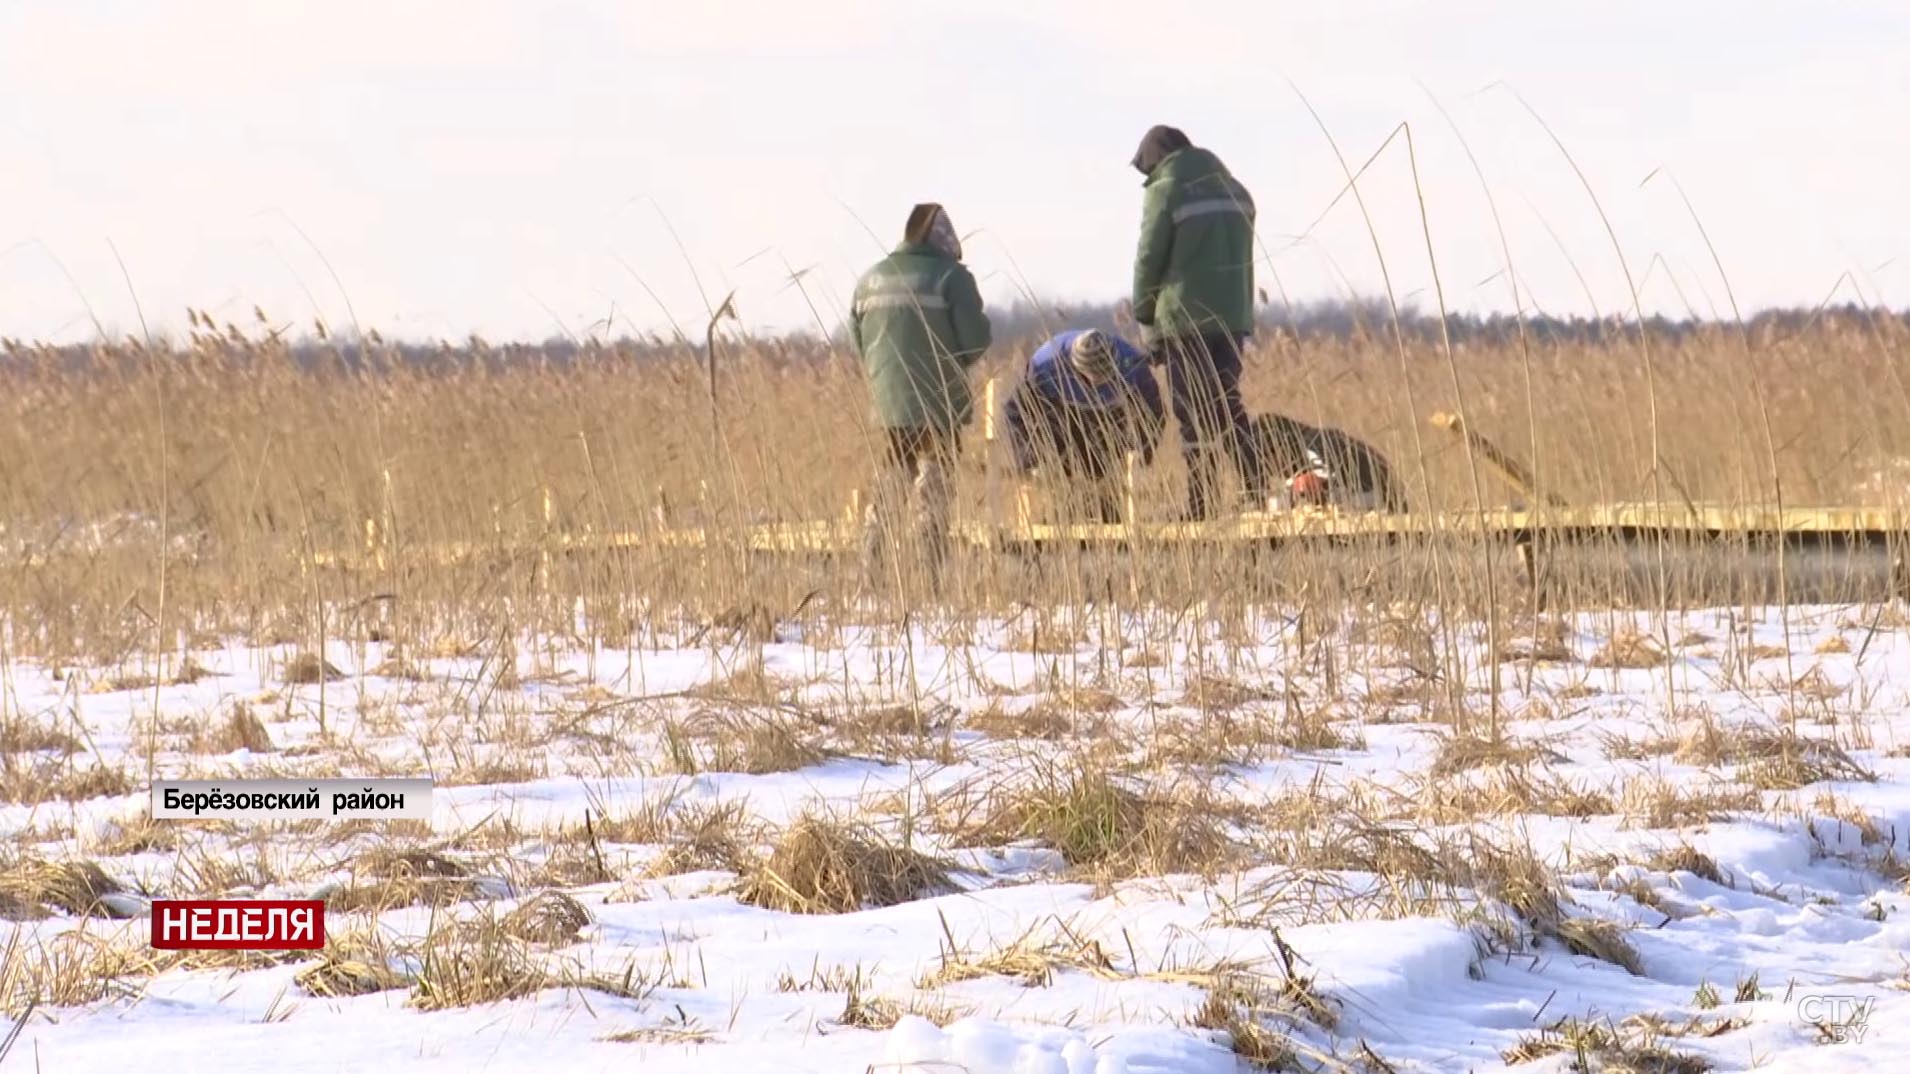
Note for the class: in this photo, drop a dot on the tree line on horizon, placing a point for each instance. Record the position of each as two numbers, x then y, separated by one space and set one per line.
1365 319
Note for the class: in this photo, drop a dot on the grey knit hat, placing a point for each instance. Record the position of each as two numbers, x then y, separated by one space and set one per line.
1092 357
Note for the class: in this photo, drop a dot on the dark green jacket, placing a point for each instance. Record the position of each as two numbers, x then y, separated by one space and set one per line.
918 324
1194 273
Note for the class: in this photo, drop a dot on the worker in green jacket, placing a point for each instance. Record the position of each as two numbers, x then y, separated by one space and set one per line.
918 325
1193 297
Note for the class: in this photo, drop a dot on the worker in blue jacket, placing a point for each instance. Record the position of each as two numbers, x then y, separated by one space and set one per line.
1087 400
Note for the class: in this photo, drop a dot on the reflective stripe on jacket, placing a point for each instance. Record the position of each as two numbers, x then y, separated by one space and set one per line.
917 323
1193 273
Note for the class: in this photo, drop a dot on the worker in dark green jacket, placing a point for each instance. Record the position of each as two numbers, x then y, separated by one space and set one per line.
918 325
1193 297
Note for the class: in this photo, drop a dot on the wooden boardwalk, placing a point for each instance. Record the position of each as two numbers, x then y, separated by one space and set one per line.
1635 523
1698 552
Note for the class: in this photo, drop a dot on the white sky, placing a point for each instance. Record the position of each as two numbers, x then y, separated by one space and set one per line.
475 166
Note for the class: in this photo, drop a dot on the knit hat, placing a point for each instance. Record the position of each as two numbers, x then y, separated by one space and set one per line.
1092 357
929 225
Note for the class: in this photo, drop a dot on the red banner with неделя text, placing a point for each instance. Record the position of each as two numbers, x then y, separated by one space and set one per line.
238 924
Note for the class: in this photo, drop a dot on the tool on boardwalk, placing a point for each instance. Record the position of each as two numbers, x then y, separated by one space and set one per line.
1508 468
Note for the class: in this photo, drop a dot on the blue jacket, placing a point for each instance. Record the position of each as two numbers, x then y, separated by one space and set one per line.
1052 385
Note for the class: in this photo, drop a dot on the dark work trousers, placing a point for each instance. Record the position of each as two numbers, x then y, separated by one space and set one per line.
917 472
1088 445
1203 373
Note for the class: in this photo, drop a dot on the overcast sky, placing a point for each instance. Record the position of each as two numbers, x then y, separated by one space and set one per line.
504 168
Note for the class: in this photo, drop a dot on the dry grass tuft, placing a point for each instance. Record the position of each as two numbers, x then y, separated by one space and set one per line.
1853 816
550 917
1322 727
22 735
1695 1026
1515 876
705 837
1050 719
1326 839
386 879
825 866
1707 742
1784 761
1220 739
75 968
190 672
1600 1048
1599 939
1642 893
1685 858
651 821
215 869
1462 753
823 979
307 669
659 1035
394 667
1404 634
1029 961
1630 649
1209 692
1509 791
1237 1009
57 782
888 731
1212 740
136 834
747 743
1622 747
30 888
356 963
493 767
1649 802
1039 634
572 865
749 684
860 1011
122 683
242 730
1095 822
1544 646
468 963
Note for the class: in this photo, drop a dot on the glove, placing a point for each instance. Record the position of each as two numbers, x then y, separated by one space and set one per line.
1151 344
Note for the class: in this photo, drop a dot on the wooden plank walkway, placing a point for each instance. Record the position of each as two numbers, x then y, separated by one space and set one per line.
1563 523
1626 523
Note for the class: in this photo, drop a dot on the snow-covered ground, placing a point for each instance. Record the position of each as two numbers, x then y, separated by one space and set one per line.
1364 898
